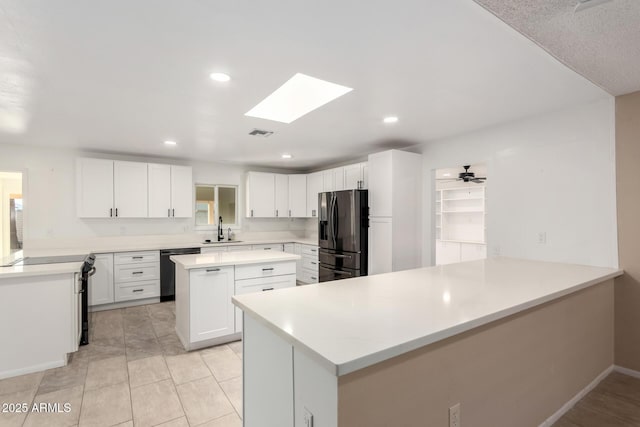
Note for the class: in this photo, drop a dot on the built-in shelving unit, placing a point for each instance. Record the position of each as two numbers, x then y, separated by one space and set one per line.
460 223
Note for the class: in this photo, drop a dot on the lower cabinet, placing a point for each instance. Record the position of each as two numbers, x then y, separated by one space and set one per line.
453 252
101 283
211 313
307 265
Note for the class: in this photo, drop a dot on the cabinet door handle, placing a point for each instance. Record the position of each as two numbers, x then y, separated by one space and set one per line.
313 212
138 290
276 213
267 289
116 211
137 257
111 212
289 212
314 250
251 212
169 212
268 269
267 249
174 212
313 263
210 270
138 272
314 278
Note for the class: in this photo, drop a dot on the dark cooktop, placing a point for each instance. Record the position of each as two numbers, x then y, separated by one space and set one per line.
50 259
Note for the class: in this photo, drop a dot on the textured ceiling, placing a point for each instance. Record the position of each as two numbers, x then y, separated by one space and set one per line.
601 43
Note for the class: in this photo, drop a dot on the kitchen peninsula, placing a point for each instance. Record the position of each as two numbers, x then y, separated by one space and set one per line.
498 336
205 284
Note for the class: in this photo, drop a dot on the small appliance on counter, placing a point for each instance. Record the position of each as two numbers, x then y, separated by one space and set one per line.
343 234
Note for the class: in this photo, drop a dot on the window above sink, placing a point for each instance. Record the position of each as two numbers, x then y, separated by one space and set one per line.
213 201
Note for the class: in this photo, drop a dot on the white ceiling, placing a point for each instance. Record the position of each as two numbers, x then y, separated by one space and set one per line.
122 76
602 43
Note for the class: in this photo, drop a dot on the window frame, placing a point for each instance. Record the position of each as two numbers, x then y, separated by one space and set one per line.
234 225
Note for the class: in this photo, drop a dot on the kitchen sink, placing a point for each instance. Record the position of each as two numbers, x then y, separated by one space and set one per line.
215 242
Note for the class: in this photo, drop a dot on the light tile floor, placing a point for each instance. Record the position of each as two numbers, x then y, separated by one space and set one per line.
134 372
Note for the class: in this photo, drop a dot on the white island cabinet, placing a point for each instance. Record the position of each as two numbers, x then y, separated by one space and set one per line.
205 284
399 349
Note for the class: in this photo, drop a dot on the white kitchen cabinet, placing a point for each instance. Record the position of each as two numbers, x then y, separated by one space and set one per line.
136 275
355 176
338 179
101 283
130 189
328 183
281 195
289 248
211 310
447 252
159 178
214 249
170 191
268 247
472 251
381 184
308 265
182 201
380 249
314 187
94 188
239 248
298 196
261 195
364 172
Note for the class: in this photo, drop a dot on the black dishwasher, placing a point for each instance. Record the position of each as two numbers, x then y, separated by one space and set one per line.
168 272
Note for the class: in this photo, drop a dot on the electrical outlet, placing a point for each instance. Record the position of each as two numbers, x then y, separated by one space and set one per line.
496 251
542 237
454 415
308 418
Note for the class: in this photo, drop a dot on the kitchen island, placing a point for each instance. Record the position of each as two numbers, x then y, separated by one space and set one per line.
39 316
205 284
510 340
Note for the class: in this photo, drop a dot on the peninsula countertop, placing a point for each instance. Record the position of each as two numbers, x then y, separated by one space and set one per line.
219 259
350 324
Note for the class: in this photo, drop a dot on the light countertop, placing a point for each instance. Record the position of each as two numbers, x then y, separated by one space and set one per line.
219 259
350 324
39 270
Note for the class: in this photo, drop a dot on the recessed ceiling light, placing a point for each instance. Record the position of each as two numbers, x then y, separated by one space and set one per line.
298 96
446 174
169 142
390 119
287 156
220 77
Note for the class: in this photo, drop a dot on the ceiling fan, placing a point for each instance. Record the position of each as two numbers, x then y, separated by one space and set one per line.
466 176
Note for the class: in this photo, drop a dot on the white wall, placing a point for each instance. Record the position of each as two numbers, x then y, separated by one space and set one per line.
553 173
50 205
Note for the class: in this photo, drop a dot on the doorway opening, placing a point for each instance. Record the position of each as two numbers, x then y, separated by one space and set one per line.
460 215
11 213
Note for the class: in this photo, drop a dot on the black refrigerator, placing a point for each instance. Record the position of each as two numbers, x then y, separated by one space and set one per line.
343 234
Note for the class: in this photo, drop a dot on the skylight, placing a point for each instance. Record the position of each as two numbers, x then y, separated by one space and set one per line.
300 95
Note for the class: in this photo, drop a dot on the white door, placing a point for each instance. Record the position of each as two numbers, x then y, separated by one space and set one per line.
94 188
282 195
182 202
159 177
130 189
314 187
338 179
352 177
261 195
211 311
298 196
380 184
100 285
327 180
380 246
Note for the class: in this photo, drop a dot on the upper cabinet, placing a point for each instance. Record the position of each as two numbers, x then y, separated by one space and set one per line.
94 188
110 189
130 189
282 195
314 186
261 195
297 196
170 191
355 176
338 180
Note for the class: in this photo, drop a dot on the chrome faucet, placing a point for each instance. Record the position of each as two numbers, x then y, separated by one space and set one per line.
220 232
229 234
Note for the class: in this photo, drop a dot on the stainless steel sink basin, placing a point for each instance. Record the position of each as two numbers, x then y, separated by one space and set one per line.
215 242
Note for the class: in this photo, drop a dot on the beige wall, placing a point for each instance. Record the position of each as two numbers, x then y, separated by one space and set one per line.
513 372
627 294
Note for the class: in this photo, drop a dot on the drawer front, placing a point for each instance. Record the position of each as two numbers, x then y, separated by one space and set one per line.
136 273
310 250
310 263
252 271
247 286
138 290
307 276
239 248
211 250
136 257
268 247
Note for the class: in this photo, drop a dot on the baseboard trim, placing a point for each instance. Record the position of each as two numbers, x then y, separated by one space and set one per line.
34 368
626 371
575 399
